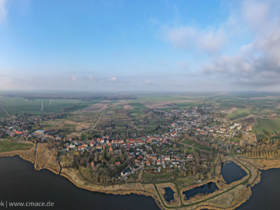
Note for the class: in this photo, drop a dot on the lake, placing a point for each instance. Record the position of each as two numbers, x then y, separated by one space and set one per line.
265 195
19 181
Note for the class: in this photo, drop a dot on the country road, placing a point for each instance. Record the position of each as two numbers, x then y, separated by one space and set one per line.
93 127
7 113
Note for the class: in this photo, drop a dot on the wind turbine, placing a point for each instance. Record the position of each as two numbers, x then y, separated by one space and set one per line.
42 106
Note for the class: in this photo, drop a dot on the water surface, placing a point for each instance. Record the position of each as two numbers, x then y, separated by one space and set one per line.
20 182
169 194
210 187
232 172
265 195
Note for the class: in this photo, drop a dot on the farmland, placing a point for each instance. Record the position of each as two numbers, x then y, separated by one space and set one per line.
15 105
270 125
241 112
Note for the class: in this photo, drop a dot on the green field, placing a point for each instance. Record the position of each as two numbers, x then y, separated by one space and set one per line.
6 146
270 125
15 105
136 112
193 144
241 112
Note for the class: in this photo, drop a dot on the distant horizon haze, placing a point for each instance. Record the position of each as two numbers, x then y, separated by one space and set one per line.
122 45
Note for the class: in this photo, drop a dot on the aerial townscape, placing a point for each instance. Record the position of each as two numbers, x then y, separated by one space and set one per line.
142 105
150 144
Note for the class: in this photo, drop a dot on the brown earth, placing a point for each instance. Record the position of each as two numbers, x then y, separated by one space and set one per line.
266 97
229 110
127 106
164 104
249 138
99 107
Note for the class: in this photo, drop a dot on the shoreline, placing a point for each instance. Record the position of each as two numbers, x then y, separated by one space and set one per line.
207 201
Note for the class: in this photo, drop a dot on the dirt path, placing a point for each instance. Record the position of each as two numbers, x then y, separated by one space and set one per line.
93 127
7 113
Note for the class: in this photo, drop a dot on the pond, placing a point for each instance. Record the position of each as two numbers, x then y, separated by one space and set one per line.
169 194
232 172
203 189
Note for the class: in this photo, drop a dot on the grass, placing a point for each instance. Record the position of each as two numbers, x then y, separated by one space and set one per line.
270 125
235 139
186 181
149 176
16 105
7 146
241 112
136 112
193 144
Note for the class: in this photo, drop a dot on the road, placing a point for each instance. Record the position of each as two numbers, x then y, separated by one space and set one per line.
98 119
93 127
7 113
229 138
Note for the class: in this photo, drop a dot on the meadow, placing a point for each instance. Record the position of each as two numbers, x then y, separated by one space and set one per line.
6 146
270 125
241 112
195 145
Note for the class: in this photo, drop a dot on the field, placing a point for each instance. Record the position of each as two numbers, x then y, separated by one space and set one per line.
241 112
97 107
15 105
164 104
193 144
6 146
270 125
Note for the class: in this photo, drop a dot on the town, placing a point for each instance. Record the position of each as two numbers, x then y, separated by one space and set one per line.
190 146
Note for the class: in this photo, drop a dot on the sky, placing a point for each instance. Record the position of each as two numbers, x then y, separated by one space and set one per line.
124 45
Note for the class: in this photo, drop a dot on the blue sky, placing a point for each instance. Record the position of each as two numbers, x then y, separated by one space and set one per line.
111 45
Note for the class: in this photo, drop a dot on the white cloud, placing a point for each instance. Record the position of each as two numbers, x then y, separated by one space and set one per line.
90 77
113 79
73 78
188 37
255 13
256 63
148 82
3 10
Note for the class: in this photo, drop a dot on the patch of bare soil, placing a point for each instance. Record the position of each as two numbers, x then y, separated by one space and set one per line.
127 106
266 97
164 104
248 138
99 107
229 110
